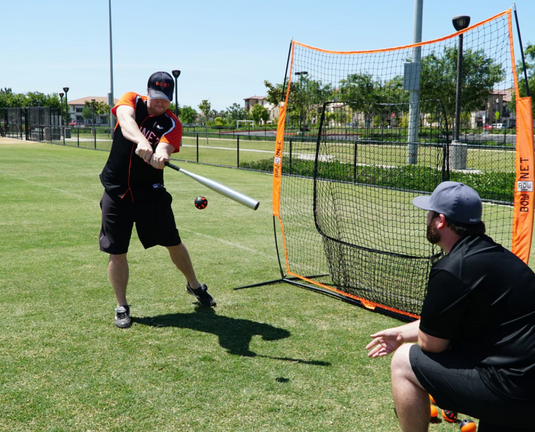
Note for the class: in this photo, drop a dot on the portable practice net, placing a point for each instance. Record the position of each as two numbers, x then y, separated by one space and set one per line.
361 133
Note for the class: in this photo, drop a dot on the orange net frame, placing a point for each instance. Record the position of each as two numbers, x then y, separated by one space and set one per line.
361 133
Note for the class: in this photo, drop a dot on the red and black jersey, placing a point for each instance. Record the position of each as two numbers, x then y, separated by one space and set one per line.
125 172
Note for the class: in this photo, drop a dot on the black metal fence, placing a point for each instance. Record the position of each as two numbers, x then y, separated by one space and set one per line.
45 124
266 134
233 148
31 123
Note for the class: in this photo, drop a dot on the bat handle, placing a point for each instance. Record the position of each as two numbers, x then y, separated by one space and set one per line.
170 165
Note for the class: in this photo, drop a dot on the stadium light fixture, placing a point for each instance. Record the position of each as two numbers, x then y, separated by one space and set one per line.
459 23
176 74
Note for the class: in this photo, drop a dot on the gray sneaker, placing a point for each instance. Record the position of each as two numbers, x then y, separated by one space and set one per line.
122 316
202 295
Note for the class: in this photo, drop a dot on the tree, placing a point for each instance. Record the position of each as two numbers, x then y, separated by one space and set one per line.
439 78
88 114
362 93
259 113
205 106
215 113
376 99
8 99
235 112
392 99
219 122
296 106
95 109
38 99
314 95
275 93
340 116
188 115
172 107
306 97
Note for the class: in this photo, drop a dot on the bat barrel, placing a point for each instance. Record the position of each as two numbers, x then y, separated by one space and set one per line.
220 188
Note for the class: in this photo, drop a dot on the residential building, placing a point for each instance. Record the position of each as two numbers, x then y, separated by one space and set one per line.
76 107
250 102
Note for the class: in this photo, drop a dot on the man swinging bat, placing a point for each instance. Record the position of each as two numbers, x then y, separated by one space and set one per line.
147 134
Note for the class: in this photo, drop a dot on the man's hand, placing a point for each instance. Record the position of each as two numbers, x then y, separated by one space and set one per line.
385 342
155 159
161 155
144 150
389 340
126 116
158 160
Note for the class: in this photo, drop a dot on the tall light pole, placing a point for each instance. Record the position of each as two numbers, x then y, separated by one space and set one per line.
460 23
61 94
412 83
66 90
458 151
93 109
111 100
176 74
300 75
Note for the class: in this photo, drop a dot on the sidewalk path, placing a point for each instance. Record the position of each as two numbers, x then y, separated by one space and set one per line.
13 141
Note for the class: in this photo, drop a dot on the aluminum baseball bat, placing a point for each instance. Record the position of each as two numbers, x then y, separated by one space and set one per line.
219 188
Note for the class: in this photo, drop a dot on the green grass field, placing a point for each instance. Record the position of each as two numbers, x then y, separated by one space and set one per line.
272 358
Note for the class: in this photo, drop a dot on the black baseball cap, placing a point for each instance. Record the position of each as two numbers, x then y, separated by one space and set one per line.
161 86
456 201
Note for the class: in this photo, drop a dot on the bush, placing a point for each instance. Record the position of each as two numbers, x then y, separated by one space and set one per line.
490 185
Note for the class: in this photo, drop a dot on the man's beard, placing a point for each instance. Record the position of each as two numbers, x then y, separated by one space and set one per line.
433 235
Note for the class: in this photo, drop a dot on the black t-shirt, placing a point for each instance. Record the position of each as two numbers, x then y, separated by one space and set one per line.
482 298
125 172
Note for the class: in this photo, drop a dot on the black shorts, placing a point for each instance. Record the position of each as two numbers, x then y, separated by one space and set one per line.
152 214
457 386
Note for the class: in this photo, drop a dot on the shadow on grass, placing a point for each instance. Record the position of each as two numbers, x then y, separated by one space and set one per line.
234 334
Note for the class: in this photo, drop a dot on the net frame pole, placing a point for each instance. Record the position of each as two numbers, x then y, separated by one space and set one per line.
522 53
523 217
283 94
284 277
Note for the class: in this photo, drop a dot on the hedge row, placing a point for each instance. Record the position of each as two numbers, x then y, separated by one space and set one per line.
496 186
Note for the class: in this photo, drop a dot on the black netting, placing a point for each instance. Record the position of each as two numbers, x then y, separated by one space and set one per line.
365 132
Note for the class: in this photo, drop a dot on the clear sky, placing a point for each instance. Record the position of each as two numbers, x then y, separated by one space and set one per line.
224 49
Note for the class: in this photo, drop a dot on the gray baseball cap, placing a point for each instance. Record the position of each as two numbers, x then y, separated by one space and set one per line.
456 201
